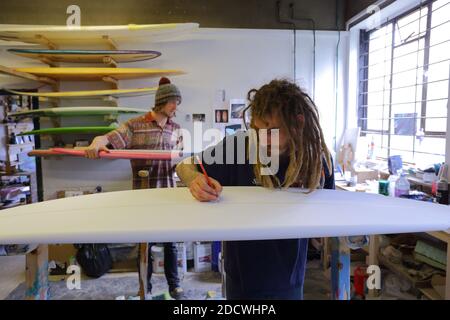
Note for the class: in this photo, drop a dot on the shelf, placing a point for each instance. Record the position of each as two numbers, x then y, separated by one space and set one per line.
16 174
430 293
26 75
441 235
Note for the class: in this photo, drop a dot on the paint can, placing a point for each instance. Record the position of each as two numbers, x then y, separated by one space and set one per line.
158 259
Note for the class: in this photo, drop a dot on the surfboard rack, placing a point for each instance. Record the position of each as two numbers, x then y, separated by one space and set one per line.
44 41
112 100
27 76
110 62
110 42
50 62
113 81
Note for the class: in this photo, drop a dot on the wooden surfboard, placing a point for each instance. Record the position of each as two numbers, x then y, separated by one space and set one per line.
241 213
87 56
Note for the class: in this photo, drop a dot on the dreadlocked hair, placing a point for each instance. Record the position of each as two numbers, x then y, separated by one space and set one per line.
306 141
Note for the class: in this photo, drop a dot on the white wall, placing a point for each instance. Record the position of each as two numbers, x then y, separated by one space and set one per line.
234 60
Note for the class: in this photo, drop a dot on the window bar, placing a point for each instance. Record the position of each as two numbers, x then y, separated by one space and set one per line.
412 52
426 62
406 14
390 92
363 86
415 39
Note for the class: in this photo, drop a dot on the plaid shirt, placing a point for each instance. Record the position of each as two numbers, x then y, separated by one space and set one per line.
145 133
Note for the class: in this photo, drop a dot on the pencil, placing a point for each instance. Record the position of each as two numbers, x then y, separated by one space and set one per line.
204 172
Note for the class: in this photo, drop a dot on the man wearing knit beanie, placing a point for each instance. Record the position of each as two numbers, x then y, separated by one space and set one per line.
153 131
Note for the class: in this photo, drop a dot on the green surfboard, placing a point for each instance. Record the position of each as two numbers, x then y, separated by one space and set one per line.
71 130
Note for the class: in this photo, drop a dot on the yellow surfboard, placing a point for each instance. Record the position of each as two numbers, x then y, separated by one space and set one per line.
64 35
117 93
91 74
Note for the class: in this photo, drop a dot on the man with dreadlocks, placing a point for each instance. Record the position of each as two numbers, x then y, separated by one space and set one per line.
269 269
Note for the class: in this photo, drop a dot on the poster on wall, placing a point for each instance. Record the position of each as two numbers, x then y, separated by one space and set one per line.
198 117
221 116
237 106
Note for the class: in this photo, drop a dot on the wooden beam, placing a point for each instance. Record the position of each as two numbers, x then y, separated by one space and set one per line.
111 99
143 264
46 42
25 75
110 42
50 62
36 277
110 62
113 81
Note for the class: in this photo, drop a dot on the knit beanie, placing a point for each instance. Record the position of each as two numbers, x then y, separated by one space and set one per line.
165 92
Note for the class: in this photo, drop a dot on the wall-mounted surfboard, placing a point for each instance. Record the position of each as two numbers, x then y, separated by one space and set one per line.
70 130
118 93
242 213
63 35
87 56
76 111
91 74
162 155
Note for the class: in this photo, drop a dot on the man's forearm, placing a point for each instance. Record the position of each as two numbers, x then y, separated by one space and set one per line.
187 171
101 141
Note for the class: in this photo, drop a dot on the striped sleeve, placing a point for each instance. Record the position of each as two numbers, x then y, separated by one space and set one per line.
121 137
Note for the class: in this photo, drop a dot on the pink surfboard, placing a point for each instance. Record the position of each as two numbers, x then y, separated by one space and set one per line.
115 154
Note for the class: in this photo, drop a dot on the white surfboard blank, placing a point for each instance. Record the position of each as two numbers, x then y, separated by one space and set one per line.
243 213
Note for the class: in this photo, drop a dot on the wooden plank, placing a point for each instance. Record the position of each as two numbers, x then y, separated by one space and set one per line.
143 263
430 293
374 249
441 235
340 269
25 75
36 277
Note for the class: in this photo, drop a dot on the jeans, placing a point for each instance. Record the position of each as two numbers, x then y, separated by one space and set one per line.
170 265
233 292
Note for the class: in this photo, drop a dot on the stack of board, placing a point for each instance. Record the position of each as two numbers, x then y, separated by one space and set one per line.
55 36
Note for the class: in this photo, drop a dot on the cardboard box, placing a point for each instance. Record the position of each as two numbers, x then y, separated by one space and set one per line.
366 174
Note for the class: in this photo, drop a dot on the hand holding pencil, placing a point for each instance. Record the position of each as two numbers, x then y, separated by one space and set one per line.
205 188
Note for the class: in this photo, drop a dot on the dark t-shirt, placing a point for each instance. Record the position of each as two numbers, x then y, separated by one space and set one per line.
268 268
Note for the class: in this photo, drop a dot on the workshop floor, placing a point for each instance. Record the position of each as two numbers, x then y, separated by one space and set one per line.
111 286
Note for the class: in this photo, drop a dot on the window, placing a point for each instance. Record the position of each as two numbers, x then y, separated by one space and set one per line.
404 84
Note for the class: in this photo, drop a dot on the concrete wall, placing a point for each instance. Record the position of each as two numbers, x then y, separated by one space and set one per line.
253 14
